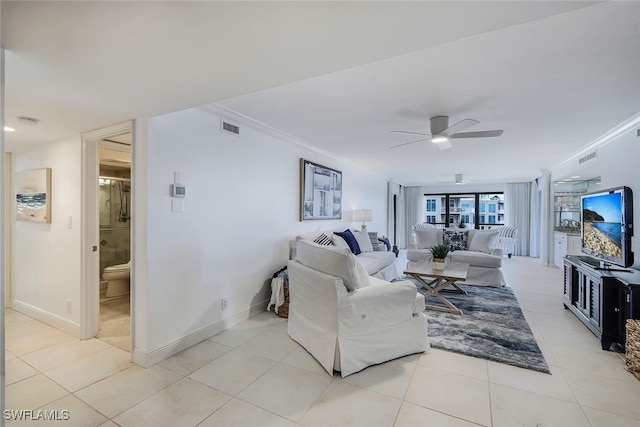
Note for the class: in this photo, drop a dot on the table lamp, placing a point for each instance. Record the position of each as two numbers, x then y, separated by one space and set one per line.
363 215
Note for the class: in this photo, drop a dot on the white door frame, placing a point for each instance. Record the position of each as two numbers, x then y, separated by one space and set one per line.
90 265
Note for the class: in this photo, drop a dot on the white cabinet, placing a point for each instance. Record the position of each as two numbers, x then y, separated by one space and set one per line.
565 244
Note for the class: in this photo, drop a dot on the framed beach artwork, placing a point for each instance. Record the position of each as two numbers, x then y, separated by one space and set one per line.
320 192
33 195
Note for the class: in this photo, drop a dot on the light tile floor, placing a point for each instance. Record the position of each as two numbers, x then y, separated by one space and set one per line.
254 375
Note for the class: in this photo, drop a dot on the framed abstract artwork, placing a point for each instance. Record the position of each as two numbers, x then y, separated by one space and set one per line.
320 192
33 195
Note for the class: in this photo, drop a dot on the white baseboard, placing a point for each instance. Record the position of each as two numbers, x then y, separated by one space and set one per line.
58 322
149 359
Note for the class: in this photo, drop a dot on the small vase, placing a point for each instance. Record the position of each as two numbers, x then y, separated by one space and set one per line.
440 264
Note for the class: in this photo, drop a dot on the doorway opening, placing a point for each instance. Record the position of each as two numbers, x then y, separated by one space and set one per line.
114 214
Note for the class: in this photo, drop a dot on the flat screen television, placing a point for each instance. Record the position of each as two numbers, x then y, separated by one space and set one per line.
607 225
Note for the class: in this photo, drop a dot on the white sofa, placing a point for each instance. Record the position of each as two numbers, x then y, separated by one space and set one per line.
484 259
347 319
380 264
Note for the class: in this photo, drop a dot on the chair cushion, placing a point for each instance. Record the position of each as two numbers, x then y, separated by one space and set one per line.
457 240
335 261
364 242
348 237
323 239
376 261
427 238
476 259
418 254
483 241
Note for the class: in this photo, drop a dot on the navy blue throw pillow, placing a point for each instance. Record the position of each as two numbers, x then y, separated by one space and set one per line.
348 237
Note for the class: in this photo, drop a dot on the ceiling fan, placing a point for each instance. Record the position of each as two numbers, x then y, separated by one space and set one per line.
441 132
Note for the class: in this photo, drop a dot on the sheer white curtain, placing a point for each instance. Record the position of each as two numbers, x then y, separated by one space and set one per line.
534 235
544 185
400 220
517 201
412 212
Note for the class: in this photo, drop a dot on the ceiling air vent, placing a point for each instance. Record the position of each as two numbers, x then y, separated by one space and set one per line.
588 157
230 128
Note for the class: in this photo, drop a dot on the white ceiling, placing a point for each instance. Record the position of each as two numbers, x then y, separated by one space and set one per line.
337 75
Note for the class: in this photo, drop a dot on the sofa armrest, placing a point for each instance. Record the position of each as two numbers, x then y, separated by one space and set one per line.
413 246
379 247
497 251
370 308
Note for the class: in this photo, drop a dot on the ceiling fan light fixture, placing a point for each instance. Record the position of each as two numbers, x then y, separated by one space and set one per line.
439 138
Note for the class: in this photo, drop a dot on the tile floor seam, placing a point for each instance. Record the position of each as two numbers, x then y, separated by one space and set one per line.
602 377
413 371
261 408
121 412
92 407
575 402
613 413
446 414
333 379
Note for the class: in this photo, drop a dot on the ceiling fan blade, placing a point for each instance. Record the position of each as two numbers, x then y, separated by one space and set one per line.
410 133
479 134
460 126
412 142
443 145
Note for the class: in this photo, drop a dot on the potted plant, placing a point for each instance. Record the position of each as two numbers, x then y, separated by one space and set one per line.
439 253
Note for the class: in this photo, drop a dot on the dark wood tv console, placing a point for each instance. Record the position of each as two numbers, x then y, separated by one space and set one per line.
602 299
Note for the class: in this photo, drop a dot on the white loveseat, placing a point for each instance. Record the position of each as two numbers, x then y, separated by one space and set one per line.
484 259
380 264
347 319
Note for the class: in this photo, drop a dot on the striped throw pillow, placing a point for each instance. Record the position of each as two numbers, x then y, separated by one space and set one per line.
323 239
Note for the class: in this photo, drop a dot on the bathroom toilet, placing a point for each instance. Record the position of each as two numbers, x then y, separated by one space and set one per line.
117 277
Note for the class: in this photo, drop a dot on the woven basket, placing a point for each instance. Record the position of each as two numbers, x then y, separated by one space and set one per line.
283 310
632 347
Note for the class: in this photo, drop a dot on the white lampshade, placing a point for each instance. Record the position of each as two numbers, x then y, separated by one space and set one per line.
363 215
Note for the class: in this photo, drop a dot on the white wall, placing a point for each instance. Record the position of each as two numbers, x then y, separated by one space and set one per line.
470 188
617 164
7 228
240 210
46 257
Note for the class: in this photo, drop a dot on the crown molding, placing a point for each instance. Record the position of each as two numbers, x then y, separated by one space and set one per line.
608 137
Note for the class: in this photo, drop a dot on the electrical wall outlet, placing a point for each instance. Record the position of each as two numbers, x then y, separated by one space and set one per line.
69 306
224 304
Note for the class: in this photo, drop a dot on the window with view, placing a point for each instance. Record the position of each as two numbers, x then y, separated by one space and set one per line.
452 209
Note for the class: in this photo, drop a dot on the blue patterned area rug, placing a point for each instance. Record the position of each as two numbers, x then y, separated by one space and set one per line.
492 327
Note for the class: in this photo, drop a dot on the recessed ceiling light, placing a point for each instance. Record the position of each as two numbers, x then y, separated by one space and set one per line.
575 177
8 129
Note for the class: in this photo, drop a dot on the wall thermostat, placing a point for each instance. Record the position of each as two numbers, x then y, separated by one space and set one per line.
178 190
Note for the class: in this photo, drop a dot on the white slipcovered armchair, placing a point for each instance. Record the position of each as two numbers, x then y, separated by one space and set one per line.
507 239
346 319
